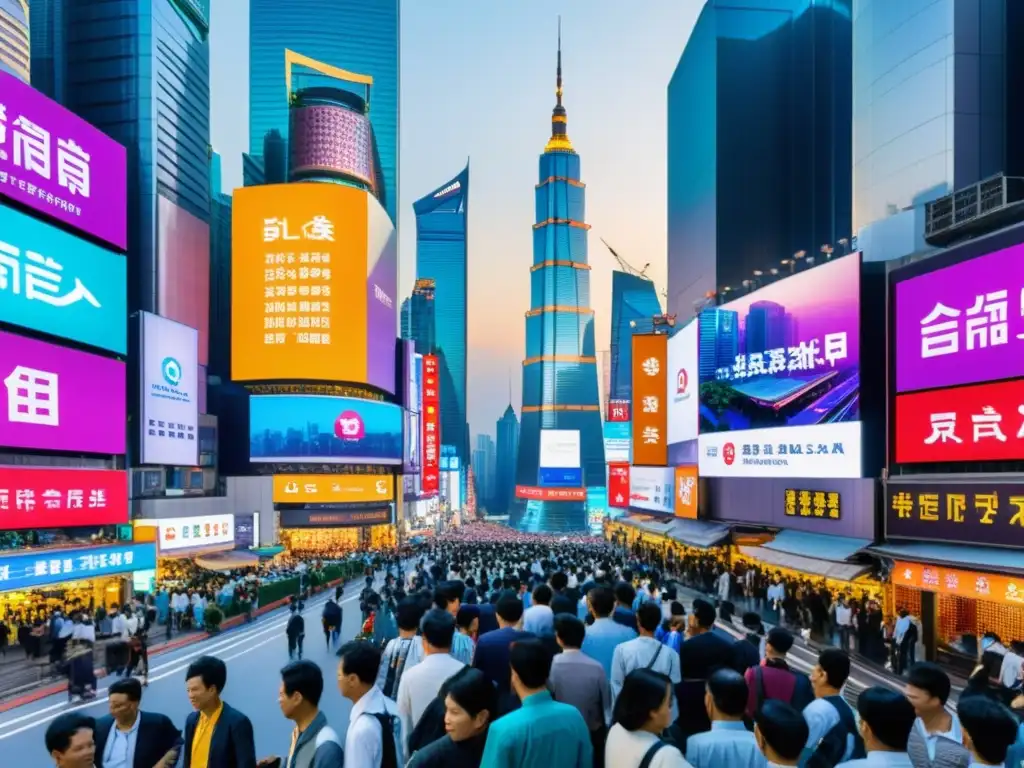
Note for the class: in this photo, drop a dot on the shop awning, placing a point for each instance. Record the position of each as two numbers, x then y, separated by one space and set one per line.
225 561
817 546
954 555
698 533
810 565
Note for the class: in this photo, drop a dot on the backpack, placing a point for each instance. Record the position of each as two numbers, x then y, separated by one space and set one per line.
803 693
389 754
396 666
654 749
831 750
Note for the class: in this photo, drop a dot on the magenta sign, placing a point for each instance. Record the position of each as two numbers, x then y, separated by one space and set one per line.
58 164
58 399
962 324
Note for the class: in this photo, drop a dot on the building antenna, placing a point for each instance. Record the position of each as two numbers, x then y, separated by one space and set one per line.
510 385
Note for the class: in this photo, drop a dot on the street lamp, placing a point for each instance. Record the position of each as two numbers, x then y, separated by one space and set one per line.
845 243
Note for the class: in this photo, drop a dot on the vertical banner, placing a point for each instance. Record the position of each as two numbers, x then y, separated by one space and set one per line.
618 485
431 419
686 492
650 415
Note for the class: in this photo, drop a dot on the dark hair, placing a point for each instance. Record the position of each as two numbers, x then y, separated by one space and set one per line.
559 581
464 618
729 691
648 616
473 692
783 728
211 670
991 726
542 594
780 639
836 666
509 608
130 687
531 661
62 730
704 612
438 628
562 603
445 594
677 608
360 658
643 691
624 593
931 679
602 601
306 679
408 614
889 715
570 630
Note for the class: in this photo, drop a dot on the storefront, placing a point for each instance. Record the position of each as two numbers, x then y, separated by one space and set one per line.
333 530
182 540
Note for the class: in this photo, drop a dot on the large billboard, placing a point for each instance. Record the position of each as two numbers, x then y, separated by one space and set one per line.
967 513
559 449
333 489
431 417
169 400
60 399
821 450
683 409
324 429
183 270
54 566
650 383
314 279
56 283
686 488
54 162
617 441
178 533
62 498
618 485
651 489
962 324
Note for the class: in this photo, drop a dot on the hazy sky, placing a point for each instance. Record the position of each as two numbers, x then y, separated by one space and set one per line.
477 81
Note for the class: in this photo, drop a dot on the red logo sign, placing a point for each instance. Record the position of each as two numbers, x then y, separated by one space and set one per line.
550 494
978 423
618 410
58 498
618 485
682 382
349 426
431 419
729 454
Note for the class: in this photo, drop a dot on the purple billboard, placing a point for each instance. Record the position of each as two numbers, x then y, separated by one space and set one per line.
962 324
381 289
60 399
58 164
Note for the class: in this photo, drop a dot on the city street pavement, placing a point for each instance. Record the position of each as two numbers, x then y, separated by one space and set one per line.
254 654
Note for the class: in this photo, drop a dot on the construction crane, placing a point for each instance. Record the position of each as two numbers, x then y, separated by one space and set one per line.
626 266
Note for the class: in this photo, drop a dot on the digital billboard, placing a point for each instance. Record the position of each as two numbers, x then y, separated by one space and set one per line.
962 324
431 417
333 489
536 493
319 428
410 377
62 498
54 162
618 485
617 441
650 415
314 279
187 532
559 448
56 283
686 488
169 399
683 387
183 270
968 513
54 566
651 489
60 399
411 435
819 451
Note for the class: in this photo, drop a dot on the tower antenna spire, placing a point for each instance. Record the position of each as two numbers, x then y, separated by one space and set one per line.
559 141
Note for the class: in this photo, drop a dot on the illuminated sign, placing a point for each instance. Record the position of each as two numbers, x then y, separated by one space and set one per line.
823 504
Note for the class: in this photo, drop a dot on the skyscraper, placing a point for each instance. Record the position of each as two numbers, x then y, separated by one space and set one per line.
405 318
560 367
634 305
483 469
15 52
442 218
422 320
506 454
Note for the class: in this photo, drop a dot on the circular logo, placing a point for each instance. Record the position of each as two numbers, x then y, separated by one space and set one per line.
349 426
682 381
729 454
171 369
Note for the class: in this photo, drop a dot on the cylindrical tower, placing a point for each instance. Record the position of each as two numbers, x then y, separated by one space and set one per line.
14 39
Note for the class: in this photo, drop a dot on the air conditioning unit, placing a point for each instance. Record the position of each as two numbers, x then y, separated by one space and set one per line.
976 210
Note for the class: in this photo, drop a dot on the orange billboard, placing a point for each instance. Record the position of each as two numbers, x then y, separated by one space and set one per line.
313 280
686 492
951 581
650 387
333 489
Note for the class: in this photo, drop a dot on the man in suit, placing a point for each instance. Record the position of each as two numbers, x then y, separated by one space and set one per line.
216 735
128 738
492 649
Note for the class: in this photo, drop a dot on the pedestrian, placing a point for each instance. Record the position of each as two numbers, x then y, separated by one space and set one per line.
645 652
398 652
314 743
129 736
470 703
625 596
605 634
844 623
699 655
331 620
216 734
936 740
374 737
493 649
448 597
750 648
886 721
989 728
295 630
781 733
642 713
538 618
774 679
69 741
831 723
728 743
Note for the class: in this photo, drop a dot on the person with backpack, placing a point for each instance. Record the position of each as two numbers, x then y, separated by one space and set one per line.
314 743
642 712
773 679
728 743
403 651
781 733
373 739
833 736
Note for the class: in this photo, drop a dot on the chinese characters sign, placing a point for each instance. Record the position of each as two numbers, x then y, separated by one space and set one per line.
951 581
650 489
535 493
431 417
54 566
61 498
823 504
333 489
618 411
686 482
650 412
618 485
683 410
815 451
187 532
979 423
970 513
58 399
301 518
58 164
962 324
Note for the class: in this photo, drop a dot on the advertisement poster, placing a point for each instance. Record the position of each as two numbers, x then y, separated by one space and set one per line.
62 498
169 397
650 415
58 164
314 279
992 587
431 426
187 532
617 441
246 535
968 513
962 324
559 448
320 428
618 485
333 489
60 399
618 411
56 283
54 566
411 462
801 502
686 486
651 489
821 450
683 406
977 423
533 493
597 510
303 518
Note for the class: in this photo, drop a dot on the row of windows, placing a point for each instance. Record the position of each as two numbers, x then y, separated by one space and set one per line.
559 286
559 242
559 200
562 164
555 383
560 333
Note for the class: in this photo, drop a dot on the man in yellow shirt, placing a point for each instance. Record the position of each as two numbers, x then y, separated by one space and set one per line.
216 735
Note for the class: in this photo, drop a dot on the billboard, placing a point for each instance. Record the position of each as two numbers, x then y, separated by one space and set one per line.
431 425
618 411
333 489
597 509
617 441
618 485
962 324
650 383
177 533
686 487
62 498
559 448
819 450
801 502
966 513
54 162
683 409
169 400
534 493
53 566
411 434
183 270
454 490
56 283
651 489
60 399
564 478
975 423
314 278
302 518
324 429
991 587
410 377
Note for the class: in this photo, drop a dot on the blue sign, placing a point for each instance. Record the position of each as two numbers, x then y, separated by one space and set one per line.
56 283
617 441
561 478
58 565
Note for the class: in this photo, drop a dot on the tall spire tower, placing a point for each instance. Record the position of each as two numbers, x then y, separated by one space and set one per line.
559 141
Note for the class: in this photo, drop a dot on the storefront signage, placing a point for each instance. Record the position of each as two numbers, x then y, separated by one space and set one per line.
58 565
618 411
686 482
333 489
431 420
300 518
650 385
823 504
534 493
979 423
62 498
650 489
682 385
950 581
814 451
188 532
968 513
618 485
617 441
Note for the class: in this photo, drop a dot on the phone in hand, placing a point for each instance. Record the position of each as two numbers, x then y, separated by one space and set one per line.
269 762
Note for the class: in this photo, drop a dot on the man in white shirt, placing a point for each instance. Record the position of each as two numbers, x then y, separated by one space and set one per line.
538 618
420 685
374 729
645 652
844 623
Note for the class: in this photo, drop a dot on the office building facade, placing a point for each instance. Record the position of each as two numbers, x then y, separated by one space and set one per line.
506 456
15 51
759 146
634 306
422 319
483 469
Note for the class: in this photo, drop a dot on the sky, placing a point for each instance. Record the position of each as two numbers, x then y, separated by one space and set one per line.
477 82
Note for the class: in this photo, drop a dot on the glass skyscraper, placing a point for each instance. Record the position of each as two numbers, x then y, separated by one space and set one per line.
14 38
634 305
560 368
361 38
442 217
